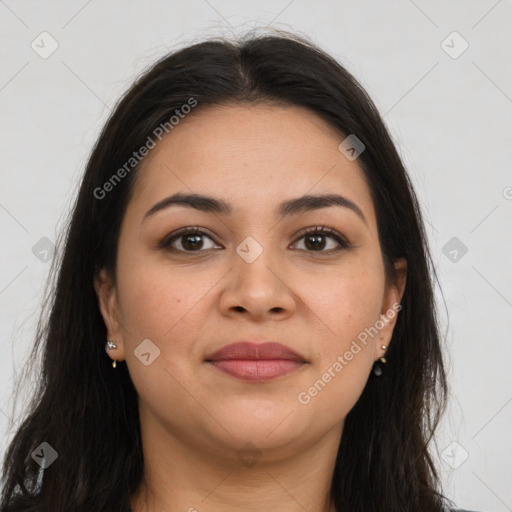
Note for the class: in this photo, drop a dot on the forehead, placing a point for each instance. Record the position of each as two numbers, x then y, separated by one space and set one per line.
252 155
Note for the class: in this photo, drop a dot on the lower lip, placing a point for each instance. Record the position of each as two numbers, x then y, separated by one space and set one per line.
257 369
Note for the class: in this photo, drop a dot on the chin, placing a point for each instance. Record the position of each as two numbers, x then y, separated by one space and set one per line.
267 430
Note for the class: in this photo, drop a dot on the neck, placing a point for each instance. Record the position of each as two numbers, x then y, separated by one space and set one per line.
180 475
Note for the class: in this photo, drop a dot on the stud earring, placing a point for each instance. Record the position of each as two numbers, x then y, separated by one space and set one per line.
382 359
111 346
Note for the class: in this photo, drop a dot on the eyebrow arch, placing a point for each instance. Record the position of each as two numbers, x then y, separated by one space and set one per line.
286 208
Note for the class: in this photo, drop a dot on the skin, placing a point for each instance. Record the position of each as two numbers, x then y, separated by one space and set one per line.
194 418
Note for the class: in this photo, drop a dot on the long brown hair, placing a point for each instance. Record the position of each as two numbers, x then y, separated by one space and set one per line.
89 414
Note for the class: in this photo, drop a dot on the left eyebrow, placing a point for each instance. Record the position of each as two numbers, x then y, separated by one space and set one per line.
316 202
286 208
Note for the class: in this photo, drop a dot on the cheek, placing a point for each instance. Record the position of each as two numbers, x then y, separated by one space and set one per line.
156 302
343 304
165 308
346 306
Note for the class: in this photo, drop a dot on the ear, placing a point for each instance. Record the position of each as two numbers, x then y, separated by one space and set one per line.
391 306
109 307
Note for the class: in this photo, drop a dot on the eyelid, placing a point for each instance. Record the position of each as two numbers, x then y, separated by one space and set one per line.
323 230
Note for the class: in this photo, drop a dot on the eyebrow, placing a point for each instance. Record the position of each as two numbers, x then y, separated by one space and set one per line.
286 208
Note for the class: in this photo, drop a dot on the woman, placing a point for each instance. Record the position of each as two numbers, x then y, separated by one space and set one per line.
244 314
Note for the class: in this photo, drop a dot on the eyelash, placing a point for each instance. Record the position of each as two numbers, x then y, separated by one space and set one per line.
194 230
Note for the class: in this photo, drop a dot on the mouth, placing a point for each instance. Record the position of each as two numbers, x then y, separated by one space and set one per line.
256 362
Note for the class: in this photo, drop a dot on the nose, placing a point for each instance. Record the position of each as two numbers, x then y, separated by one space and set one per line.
258 289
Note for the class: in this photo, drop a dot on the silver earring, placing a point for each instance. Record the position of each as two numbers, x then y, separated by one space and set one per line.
111 346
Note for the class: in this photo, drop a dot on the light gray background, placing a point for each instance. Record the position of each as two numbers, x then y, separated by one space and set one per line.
449 116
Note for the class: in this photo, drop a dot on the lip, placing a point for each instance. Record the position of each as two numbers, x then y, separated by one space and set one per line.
256 361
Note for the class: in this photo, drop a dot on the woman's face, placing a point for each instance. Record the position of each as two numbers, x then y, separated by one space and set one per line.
254 275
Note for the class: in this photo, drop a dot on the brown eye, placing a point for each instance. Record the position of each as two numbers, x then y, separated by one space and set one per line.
187 240
316 240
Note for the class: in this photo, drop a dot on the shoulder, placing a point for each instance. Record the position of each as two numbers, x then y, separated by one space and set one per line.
461 510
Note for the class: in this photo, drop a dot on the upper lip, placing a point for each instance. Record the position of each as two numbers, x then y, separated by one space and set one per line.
250 350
